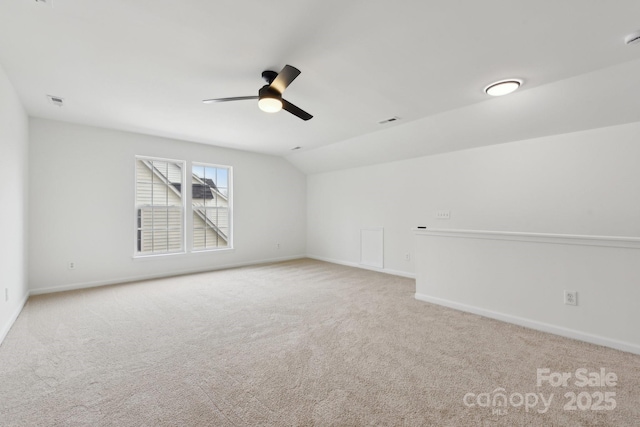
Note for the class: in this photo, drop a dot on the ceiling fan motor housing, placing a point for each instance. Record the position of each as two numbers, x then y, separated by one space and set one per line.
269 99
269 92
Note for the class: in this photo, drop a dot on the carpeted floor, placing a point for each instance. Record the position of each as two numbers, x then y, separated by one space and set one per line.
296 343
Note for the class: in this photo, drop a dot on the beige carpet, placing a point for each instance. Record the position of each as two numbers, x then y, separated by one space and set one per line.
297 343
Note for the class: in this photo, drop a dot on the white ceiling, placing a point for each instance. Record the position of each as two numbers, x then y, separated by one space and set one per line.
145 66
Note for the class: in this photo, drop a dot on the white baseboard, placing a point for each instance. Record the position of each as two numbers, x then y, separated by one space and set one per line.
533 324
13 318
119 280
364 267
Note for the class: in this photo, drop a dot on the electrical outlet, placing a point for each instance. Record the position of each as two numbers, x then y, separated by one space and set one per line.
407 256
277 245
443 214
571 297
71 265
6 294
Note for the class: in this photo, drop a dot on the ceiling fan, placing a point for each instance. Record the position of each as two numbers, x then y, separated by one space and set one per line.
270 95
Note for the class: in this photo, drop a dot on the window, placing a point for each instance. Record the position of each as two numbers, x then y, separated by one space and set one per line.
211 206
159 206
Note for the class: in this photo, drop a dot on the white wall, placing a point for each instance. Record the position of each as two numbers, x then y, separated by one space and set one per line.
579 183
82 206
522 278
13 200
585 183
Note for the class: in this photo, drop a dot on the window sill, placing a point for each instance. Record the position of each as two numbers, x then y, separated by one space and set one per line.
208 251
182 254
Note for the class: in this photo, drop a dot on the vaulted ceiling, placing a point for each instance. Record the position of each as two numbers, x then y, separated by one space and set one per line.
146 65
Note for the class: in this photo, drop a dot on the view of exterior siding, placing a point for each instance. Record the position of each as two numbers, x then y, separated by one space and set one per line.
159 206
210 202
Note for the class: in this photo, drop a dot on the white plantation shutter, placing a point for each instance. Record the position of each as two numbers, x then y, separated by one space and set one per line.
159 206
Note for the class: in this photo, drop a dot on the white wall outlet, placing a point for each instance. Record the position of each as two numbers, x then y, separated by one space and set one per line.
6 294
407 256
71 265
278 245
571 297
443 214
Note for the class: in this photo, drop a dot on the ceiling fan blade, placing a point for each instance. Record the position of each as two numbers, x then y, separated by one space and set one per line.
235 98
284 78
286 105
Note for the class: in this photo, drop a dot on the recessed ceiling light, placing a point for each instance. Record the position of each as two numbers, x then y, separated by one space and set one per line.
633 38
503 87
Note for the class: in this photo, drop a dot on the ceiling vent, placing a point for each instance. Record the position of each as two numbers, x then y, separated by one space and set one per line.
633 38
392 119
56 100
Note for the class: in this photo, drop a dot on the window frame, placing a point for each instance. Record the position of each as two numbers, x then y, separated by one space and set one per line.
182 208
229 246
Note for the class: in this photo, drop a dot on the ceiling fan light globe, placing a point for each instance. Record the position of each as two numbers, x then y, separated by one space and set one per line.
270 105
